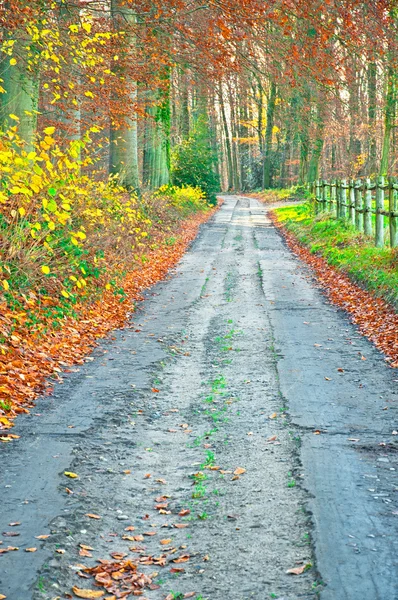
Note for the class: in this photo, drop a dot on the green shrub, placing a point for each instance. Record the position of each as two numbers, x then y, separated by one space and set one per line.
193 163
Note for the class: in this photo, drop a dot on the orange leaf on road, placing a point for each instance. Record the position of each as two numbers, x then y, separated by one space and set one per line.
239 471
87 593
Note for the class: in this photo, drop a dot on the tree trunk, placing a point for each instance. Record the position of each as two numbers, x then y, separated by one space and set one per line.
267 169
123 148
313 169
372 108
389 113
227 139
21 95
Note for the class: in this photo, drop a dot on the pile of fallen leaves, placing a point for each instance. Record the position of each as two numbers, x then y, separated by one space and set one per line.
28 359
120 579
375 318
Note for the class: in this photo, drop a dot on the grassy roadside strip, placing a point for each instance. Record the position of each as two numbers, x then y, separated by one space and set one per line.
30 360
358 277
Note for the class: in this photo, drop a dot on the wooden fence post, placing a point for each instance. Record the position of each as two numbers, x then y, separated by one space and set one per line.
379 216
332 195
317 196
343 202
367 216
338 198
393 207
325 195
351 201
358 205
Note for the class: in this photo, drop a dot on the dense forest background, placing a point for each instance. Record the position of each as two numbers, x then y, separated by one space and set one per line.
220 94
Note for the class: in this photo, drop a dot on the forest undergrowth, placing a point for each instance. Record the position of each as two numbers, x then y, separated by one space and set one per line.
76 252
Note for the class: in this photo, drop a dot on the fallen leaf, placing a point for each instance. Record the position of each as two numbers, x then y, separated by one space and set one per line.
87 593
155 390
60 551
92 516
190 595
272 438
14 524
42 537
30 549
2 597
328 379
184 512
83 552
129 528
147 476
273 416
299 570
70 474
118 555
182 558
177 570
166 541
340 370
8 549
239 471
180 525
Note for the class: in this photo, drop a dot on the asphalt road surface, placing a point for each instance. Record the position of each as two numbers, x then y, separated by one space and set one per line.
247 402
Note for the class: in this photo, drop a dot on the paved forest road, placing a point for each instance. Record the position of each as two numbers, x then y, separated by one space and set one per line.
236 347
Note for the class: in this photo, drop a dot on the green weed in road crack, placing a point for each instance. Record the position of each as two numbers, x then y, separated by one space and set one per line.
204 286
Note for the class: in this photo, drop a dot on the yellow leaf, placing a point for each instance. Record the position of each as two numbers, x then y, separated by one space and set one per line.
13 61
6 285
69 473
22 211
87 593
74 28
49 130
87 27
45 269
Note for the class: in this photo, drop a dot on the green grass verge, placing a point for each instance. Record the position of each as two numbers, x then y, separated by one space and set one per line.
345 248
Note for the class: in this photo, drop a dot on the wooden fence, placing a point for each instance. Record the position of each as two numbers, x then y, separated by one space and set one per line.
357 201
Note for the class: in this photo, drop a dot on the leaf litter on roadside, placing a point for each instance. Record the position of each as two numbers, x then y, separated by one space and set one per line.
29 359
375 318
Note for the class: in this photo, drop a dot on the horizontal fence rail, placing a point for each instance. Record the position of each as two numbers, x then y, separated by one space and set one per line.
358 200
